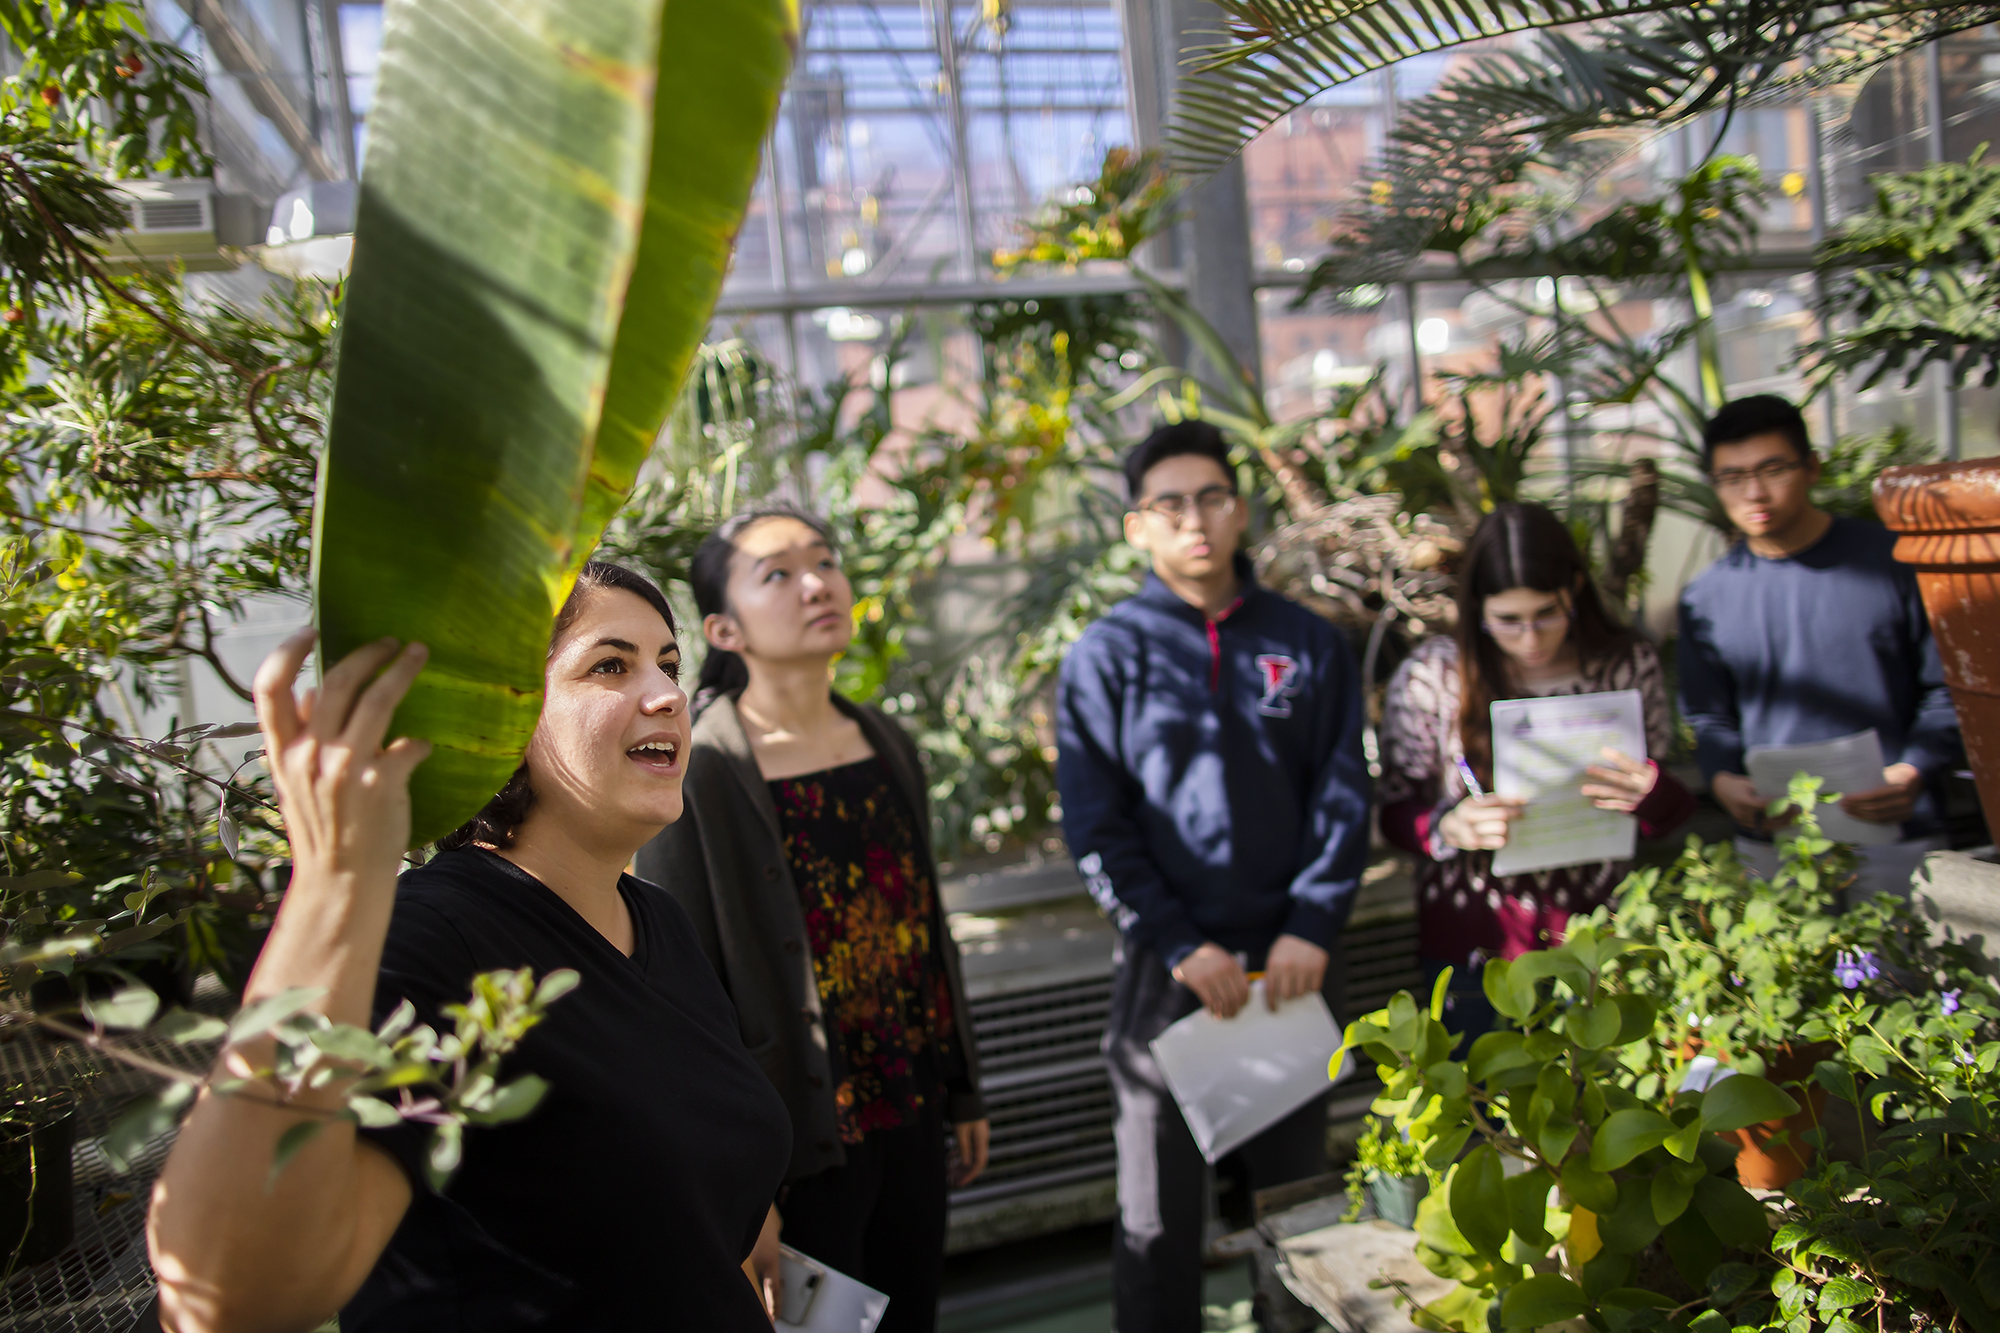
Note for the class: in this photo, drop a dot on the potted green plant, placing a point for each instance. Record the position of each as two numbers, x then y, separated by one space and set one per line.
37 1198
1902 1237
1739 966
1388 1171
1577 1196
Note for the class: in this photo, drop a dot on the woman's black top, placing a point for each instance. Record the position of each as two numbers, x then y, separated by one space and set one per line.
865 887
632 1194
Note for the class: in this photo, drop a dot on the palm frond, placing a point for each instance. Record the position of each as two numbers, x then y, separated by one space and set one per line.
1450 177
1274 56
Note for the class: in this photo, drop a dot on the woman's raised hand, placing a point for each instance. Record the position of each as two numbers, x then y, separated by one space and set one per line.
1480 823
1620 782
235 1245
345 798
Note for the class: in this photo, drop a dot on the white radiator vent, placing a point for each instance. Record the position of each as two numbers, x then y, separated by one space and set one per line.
170 215
1038 969
172 226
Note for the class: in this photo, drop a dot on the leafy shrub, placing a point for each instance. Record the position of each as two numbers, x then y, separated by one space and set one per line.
1739 966
1571 1177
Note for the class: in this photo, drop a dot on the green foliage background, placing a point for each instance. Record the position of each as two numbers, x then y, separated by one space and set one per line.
156 473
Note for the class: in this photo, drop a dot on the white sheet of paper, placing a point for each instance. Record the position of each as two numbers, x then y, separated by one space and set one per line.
1704 1072
1850 764
1540 749
842 1304
1235 1078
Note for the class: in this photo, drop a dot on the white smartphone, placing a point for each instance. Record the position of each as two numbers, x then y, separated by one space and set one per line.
802 1278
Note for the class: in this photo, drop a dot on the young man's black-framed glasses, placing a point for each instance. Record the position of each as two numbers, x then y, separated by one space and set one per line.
1770 472
1208 502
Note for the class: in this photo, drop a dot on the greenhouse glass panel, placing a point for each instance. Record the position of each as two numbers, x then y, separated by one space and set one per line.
1043 90
360 53
864 152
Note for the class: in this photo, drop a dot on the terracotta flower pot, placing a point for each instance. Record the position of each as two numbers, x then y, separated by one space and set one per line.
1947 520
1763 1165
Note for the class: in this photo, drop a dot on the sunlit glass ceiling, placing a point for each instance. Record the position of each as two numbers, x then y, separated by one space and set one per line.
911 142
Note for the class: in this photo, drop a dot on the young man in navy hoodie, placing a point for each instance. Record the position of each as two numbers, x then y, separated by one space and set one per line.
1215 796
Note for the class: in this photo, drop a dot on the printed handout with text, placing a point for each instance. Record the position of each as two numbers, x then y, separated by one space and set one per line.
1541 748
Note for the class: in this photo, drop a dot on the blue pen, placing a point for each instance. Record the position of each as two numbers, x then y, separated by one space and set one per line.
1469 778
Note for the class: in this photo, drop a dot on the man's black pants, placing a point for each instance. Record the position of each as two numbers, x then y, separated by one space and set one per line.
880 1217
1162 1179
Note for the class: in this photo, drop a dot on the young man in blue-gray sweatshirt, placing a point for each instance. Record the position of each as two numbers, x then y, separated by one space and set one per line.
1215 796
1809 630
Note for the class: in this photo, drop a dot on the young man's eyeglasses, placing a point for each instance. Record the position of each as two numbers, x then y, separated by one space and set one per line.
1776 470
1512 627
1209 502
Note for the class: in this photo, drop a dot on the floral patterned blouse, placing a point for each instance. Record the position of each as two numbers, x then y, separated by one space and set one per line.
871 910
1466 914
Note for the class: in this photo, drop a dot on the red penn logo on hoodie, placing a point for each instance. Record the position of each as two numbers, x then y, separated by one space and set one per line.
1280 677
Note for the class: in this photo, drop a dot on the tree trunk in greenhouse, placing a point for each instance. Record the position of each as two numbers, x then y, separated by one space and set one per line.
1635 528
1947 517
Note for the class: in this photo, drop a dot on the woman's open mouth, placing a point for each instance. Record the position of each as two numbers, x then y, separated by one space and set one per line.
662 756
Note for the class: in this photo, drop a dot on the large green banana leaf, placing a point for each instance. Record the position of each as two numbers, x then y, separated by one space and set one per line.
551 192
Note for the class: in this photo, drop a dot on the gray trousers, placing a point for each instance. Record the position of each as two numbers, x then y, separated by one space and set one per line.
1162 1179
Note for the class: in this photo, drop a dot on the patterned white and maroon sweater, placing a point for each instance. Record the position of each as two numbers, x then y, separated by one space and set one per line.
1465 913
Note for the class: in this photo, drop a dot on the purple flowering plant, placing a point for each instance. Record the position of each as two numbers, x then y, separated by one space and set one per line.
1892 1230
1741 962
1850 969
1896 1228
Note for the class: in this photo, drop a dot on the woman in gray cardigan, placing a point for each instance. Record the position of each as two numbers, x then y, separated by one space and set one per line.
804 859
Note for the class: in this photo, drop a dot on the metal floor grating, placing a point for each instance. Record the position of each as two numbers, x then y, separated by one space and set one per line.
102 1282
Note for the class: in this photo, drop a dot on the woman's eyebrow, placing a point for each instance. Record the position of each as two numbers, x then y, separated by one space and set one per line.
763 560
620 644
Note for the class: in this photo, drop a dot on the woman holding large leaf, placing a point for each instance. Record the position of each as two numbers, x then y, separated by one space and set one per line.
633 1195
806 864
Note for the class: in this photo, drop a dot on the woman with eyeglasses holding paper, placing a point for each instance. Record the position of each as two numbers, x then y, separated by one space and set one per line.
1530 625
